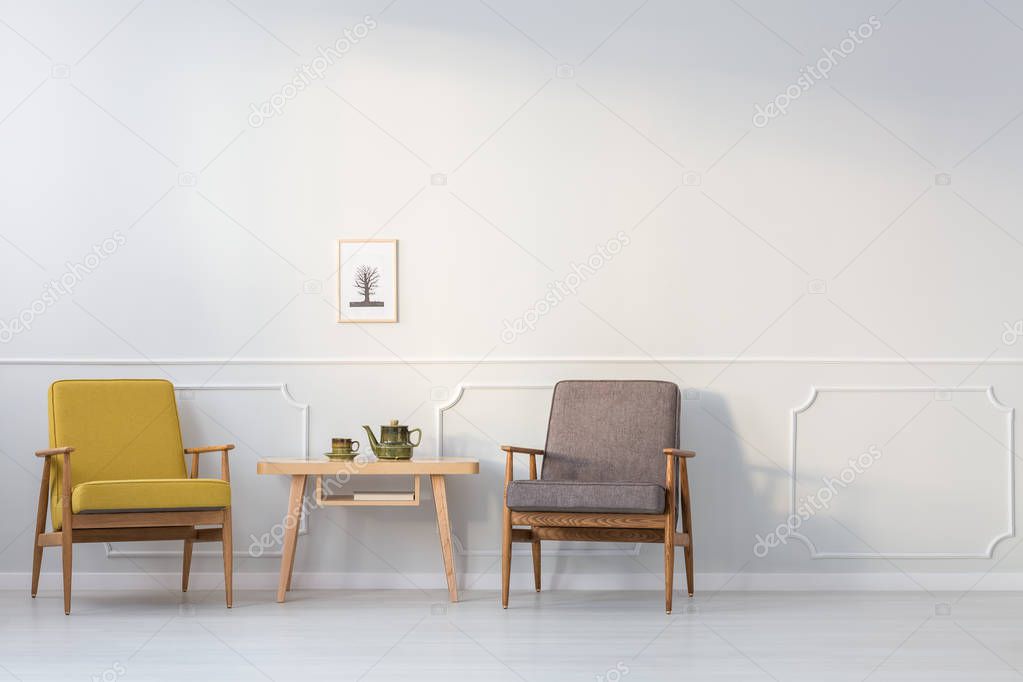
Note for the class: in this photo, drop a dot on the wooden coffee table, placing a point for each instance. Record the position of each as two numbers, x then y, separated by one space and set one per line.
327 471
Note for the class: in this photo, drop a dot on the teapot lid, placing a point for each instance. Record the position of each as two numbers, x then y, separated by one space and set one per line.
394 422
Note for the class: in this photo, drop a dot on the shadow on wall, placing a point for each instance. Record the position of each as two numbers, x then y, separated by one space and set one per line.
733 482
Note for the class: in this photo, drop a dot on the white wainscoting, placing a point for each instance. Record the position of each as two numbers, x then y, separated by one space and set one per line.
949 486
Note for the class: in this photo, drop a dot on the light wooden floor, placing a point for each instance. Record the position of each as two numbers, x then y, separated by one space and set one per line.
557 635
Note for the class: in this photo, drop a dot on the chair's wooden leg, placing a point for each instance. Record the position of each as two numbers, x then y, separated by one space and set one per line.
506 550
687 524
37 550
506 540
536 563
536 541
670 521
669 561
291 521
186 557
688 551
225 536
67 521
65 555
37 565
186 565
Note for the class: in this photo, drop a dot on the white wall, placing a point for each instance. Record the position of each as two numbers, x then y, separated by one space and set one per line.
820 249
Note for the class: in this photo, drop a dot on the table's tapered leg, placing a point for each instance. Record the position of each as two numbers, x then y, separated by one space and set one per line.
440 498
291 522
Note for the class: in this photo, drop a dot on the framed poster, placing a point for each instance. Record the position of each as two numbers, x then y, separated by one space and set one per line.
367 282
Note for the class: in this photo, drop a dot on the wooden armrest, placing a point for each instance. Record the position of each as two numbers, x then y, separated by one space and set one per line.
209 448
225 468
510 451
526 451
54 451
673 452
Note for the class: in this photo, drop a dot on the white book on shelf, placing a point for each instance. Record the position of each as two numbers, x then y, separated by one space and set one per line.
383 496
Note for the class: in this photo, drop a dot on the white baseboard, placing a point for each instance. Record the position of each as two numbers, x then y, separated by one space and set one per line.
780 582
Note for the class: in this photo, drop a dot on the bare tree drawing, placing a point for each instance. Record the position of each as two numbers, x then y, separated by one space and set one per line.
367 279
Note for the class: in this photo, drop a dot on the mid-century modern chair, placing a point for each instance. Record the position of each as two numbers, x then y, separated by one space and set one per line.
126 478
612 471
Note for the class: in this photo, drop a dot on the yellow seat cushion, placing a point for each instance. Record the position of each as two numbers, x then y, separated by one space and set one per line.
153 494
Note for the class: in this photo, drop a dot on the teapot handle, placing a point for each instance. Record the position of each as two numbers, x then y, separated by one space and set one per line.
418 440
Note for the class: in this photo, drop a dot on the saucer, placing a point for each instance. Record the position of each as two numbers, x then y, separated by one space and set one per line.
340 455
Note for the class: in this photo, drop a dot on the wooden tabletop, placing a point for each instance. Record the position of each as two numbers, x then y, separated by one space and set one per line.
368 465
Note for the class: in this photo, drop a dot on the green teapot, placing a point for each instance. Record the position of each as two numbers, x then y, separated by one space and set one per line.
395 441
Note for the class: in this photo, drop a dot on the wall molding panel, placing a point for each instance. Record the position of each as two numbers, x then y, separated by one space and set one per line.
459 392
1008 485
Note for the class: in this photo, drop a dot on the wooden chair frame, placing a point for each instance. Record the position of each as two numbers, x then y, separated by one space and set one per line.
604 527
118 526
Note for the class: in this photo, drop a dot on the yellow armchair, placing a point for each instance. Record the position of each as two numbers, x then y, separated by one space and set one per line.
115 471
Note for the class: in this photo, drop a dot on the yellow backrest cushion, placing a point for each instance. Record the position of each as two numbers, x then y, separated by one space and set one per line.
120 429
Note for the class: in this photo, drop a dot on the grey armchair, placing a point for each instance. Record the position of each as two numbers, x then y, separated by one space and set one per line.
612 471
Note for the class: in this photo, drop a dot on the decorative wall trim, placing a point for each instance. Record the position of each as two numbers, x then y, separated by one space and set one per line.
1010 483
538 360
282 388
303 528
461 549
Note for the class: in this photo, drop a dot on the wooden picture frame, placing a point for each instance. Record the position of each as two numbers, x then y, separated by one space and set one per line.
367 268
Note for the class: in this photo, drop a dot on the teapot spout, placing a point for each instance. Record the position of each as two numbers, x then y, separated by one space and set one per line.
372 439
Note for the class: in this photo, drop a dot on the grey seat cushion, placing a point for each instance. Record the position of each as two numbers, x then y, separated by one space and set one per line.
577 496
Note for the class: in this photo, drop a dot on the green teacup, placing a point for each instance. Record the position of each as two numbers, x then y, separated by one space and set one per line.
342 448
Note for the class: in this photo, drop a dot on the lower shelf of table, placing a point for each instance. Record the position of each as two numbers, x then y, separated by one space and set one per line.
324 499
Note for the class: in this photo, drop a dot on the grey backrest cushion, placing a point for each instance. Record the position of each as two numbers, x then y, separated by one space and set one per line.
611 431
